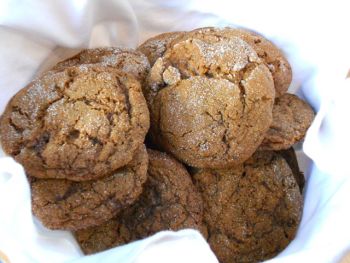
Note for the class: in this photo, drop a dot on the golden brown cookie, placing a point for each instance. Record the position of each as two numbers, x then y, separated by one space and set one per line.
64 204
80 123
125 59
155 47
169 202
273 57
291 119
252 211
210 100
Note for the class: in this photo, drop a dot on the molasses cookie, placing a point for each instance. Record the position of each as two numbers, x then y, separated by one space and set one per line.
64 204
252 211
210 100
273 57
169 202
291 119
155 47
80 123
127 60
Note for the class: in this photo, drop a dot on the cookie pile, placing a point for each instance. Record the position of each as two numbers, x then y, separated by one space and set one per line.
220 124
218 103
79 132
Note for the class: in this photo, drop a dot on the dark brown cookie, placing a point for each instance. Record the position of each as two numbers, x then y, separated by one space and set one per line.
155 47
291 158
64 204
127 60
80 123
252 211
273 57
169 202
291 119
210 100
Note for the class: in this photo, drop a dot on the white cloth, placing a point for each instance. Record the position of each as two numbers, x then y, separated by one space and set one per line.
36 34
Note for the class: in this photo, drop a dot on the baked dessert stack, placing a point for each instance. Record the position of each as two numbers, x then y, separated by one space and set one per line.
79 132
218 102
222 127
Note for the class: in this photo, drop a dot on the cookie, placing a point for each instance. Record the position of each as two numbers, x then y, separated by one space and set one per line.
210 100
169 202
291 119
127 60
155 47
273 57
252 211
65 204
80 123
291 158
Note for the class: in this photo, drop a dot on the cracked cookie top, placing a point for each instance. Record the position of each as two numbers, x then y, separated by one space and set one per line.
128 60
80 123
65 204
251 211
154 47
210 100
291 119
169 202
272 56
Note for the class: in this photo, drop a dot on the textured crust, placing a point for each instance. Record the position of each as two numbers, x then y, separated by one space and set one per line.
169 202
253 210
291 158
127 60
155 47
273 57
64 204
80 123
291 119
210 100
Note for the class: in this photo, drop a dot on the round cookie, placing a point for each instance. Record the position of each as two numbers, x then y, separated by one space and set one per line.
291 119
155 47
252 211
128 60
210 100
80 123
64 204
169 202
273 57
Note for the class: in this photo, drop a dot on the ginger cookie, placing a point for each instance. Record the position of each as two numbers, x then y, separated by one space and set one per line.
252 211
291 119
64 204
80 123
210 100
125 59
169 201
